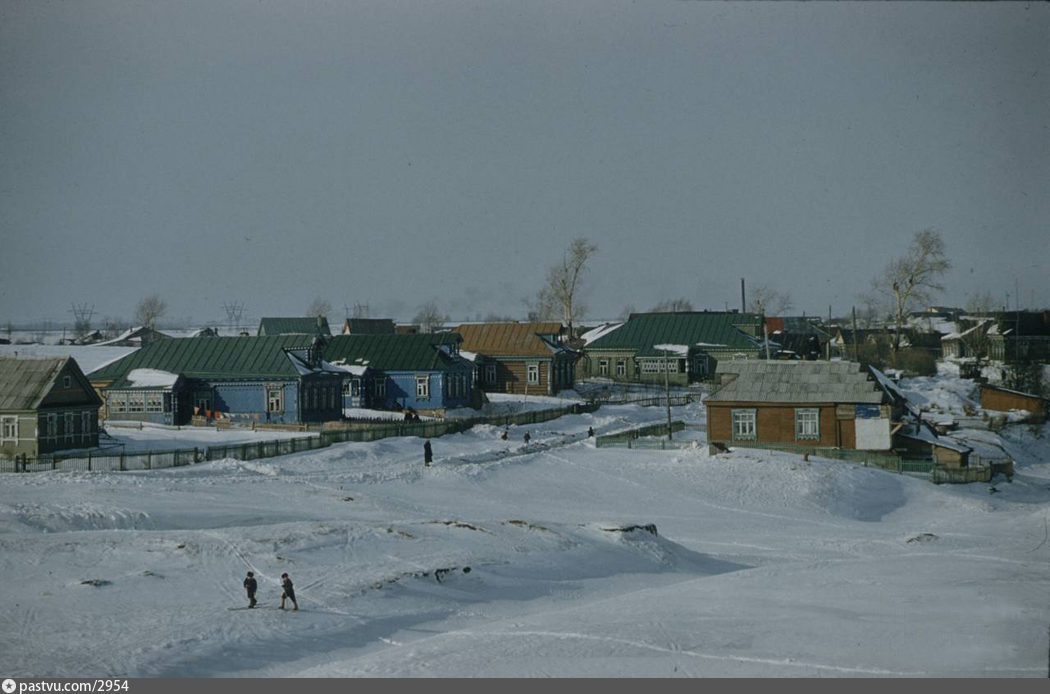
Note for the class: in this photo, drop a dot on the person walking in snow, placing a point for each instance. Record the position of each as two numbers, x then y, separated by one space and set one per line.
527 437
428 453
289 592
251 585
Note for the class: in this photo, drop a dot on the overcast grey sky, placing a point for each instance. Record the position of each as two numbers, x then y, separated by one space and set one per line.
390 153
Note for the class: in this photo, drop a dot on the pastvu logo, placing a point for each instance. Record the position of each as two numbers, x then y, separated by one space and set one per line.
9 685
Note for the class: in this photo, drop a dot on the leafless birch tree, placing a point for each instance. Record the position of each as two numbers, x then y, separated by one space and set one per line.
912 280
560 295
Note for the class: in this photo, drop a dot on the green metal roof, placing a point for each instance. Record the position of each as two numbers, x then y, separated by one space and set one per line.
701 329
396 352
212 358
294 326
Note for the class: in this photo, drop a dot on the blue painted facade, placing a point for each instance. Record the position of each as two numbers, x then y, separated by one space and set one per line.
424 390
311 398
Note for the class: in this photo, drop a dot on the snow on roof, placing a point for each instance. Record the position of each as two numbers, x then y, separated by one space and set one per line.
601 331
151 378
682 350
343 367
887 383
921 433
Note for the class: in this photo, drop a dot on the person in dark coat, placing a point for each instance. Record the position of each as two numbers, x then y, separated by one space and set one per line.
251 585
428 453
289 592
527 437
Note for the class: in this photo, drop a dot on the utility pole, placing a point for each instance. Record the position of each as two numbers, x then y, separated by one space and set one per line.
743 299
667 391
855 357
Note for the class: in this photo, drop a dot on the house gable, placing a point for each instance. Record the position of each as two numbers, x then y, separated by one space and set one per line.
35 383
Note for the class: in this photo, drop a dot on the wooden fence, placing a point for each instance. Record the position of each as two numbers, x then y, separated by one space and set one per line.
378 429
630 438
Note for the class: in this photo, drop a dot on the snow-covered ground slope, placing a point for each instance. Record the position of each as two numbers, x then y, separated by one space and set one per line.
761 564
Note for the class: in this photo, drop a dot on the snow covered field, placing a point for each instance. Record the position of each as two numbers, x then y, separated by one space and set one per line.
762 564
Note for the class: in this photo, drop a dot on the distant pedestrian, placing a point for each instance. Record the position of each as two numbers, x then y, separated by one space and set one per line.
251 585
590 432
527 437
503 435
428 453
289 592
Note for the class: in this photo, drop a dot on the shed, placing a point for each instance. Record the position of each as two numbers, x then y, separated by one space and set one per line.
1006 400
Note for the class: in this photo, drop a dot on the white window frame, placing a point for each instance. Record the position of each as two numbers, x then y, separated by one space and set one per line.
490 373
9 428
532 373
117 402
621 367
744 424
274 400
603 367
86 427
155 401
50 426
422 387
69 426
807 423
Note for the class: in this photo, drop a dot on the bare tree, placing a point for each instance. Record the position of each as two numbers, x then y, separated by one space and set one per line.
560 294
430 317
150 310
768 301
912 280
672 306
318 308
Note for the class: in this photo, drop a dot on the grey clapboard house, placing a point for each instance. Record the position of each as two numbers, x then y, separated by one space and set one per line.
46 405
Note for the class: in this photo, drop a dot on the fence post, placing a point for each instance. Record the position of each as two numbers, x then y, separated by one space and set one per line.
122 461
149 460
89 462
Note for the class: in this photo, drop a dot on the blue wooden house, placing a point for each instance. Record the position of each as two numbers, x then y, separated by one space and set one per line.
424 372
280 379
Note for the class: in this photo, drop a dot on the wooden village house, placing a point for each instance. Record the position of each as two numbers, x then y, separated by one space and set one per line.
687 346
424 372
280 379
46 405
803 403
522 358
